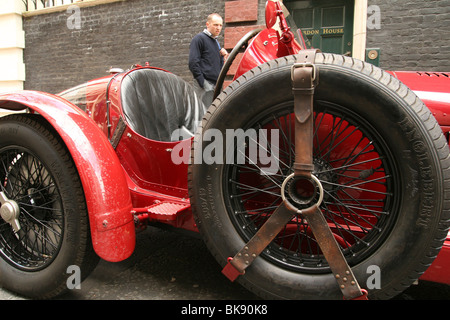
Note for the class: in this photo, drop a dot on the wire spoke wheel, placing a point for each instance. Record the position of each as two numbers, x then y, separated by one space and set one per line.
357 173
27 181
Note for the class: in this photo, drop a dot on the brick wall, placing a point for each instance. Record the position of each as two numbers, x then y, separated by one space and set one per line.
118 34
241 11
412 35
241 17
121 34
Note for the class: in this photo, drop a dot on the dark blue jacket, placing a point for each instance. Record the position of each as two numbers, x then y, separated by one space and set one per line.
205 61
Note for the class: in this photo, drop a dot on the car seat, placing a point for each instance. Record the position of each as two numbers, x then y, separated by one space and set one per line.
160 105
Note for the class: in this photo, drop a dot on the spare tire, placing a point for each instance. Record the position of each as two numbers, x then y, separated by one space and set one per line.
379 153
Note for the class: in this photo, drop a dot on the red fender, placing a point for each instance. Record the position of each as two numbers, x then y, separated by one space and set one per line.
105 187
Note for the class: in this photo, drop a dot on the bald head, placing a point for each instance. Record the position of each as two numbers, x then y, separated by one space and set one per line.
214 24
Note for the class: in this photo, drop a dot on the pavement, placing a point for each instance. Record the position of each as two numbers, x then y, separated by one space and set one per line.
164 266
171 266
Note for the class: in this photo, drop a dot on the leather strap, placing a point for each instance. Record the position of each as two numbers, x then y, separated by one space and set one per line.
330 249
243 259
304 80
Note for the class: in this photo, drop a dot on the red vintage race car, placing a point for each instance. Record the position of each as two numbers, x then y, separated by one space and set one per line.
312 176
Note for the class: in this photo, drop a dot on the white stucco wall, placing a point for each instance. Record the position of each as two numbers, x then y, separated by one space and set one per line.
12 43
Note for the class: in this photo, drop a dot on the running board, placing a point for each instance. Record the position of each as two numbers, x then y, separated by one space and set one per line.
161 211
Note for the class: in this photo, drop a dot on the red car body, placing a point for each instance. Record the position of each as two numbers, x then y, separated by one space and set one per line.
135 182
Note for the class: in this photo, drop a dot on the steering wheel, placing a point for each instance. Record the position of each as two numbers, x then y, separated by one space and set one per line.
243 42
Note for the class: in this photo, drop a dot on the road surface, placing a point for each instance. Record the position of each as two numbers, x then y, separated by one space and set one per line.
171 266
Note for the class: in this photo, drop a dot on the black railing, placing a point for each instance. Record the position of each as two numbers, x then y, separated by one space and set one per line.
37 4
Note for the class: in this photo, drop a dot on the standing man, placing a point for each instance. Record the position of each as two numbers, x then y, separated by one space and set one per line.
206 57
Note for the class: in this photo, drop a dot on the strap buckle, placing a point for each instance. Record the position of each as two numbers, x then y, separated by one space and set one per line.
304 65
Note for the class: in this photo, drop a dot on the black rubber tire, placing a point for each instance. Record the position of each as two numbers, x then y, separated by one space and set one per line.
400 123
27 140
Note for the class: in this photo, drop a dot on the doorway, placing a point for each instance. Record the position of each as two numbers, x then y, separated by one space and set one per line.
326 24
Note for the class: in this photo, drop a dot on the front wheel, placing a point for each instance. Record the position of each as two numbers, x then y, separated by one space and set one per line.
379 154
38 176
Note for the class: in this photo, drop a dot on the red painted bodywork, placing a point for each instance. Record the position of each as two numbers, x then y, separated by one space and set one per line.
138 180
264 47
433 88
150 186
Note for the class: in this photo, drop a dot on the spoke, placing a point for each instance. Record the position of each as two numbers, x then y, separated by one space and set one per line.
36 191
42 224
261 170
254 190
340 187
353 221
286 137
375 180
334 146
351 165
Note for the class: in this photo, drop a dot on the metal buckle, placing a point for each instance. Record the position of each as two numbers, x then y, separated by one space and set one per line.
304 65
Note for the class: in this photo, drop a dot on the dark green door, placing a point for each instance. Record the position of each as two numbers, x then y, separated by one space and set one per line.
327 24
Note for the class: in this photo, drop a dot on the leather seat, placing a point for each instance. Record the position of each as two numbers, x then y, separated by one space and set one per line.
157 104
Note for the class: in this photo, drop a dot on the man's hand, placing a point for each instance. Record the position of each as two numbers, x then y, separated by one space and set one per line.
224 53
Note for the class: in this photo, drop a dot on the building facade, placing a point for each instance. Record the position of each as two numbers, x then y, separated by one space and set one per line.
69 42
12 43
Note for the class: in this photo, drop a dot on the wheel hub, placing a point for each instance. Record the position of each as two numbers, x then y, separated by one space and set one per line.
302 191
9 211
